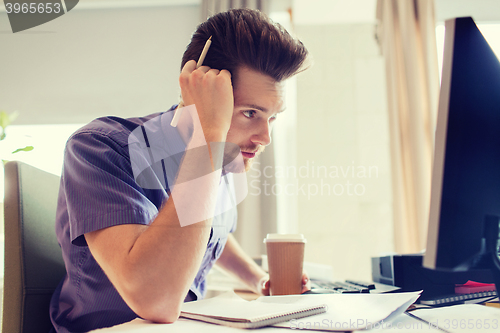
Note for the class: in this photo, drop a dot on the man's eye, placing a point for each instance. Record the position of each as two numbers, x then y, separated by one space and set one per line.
249 113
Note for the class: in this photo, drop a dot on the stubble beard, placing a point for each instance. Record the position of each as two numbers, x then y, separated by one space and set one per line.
247 162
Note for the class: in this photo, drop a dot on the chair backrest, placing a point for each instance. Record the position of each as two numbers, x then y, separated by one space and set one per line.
33 259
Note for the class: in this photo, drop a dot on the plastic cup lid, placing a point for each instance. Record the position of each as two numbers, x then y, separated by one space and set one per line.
298 238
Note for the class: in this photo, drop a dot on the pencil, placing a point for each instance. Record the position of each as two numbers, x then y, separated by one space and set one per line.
204 52
178 112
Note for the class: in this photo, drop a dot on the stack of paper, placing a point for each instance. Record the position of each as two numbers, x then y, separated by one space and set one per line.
347 312
344 312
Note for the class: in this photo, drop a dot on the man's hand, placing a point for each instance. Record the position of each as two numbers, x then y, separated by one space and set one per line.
264 284
212 93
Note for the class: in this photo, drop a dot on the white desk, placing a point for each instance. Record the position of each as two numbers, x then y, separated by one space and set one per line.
402 324
180 326
469 318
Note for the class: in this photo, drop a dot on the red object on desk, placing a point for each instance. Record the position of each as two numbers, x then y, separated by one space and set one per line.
473 287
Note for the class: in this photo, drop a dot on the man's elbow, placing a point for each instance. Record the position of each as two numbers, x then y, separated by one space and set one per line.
152 302
154 305
164 317
159 313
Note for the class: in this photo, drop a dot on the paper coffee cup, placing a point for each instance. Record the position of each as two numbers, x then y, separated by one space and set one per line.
285 255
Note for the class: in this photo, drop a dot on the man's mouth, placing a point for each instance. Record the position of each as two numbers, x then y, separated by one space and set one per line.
248 154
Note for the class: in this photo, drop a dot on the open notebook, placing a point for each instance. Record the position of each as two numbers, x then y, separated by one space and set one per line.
228 309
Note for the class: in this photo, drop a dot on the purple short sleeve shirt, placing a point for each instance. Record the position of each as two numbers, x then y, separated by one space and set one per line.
98 190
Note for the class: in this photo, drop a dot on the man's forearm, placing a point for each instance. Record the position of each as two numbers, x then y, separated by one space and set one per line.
179 234
236 261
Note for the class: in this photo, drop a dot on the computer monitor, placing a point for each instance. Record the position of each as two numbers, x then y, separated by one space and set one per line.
465 193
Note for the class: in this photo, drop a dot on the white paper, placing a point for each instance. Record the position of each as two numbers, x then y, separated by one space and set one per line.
462 318
404 324
347 312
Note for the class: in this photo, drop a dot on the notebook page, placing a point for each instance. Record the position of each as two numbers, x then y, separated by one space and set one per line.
230 305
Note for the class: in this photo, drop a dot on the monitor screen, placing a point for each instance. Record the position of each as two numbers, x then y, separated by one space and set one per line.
466 172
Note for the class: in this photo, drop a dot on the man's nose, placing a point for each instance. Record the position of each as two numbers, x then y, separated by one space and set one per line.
263 134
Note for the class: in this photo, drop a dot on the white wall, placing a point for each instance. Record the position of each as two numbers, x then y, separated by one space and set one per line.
480 10
94 62
343 124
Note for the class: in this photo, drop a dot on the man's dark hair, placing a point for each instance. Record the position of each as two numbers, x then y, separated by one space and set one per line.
247 38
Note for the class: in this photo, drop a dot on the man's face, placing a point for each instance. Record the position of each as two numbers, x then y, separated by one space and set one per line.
257 101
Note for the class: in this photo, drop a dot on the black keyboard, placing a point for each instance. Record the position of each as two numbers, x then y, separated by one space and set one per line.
352 287
479 297
346 287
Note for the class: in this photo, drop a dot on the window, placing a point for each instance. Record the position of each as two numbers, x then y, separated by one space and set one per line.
48 142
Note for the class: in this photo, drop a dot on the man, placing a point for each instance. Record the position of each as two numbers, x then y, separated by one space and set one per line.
128 249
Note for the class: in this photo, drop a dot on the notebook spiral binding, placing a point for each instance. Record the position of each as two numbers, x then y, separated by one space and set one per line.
268 321
260 321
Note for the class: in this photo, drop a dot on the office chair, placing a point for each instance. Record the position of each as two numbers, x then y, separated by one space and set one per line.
33 260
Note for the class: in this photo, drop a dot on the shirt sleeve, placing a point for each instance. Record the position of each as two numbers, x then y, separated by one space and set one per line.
99 186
